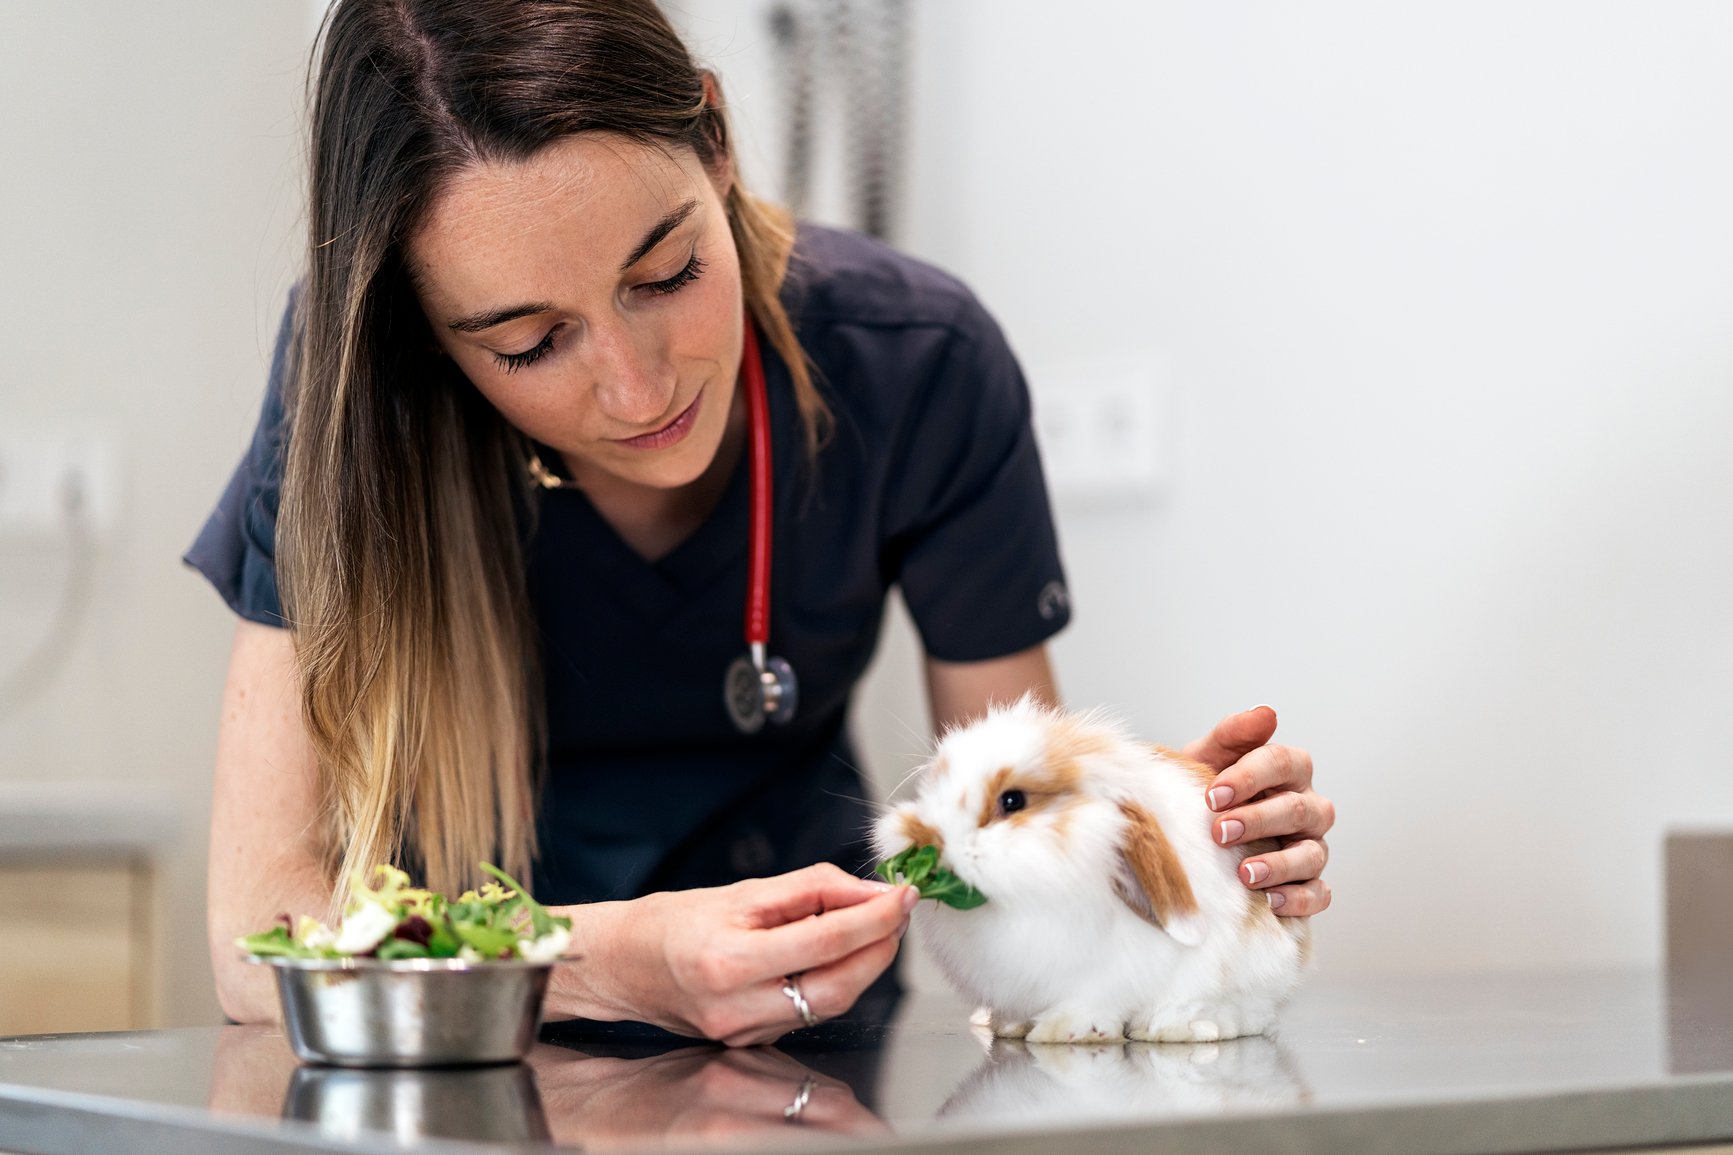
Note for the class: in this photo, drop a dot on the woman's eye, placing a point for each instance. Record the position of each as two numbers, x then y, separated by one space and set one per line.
679 280
512 362
1012 801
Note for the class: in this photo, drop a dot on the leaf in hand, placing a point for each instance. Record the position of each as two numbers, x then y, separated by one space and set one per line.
919 867
952 891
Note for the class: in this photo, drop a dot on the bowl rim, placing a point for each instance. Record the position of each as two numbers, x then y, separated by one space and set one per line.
401 965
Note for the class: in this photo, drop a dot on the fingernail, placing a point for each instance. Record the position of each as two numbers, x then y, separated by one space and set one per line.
1232 830
911 896
1277 898
1254 872
1220 797
1261 706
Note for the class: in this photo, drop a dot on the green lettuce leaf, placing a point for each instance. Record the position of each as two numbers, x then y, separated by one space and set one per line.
493 921
275 943
919 867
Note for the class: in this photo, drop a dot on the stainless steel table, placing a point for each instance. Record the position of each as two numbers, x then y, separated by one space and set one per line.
1422 1064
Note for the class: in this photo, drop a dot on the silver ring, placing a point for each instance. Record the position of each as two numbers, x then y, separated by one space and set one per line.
791 988
793 1110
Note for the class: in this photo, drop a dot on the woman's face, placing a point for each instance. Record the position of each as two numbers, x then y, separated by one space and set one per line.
592 293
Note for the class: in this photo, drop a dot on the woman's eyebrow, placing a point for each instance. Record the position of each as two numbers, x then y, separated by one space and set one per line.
661 229
476 322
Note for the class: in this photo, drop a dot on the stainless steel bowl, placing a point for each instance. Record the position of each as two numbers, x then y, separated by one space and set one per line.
360 1012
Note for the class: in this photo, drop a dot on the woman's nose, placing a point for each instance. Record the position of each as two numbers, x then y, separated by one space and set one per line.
634 383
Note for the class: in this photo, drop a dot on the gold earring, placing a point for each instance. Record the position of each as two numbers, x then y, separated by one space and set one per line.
543 476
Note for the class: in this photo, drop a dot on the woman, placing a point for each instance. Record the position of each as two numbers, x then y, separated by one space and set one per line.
499 498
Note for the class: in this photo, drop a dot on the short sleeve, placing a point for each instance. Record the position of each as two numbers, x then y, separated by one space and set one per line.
236 550
970 525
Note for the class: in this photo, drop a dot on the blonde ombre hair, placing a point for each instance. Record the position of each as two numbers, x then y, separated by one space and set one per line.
405 494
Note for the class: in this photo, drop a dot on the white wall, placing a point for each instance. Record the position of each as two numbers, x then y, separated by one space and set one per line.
1444 289
147 212
1445 293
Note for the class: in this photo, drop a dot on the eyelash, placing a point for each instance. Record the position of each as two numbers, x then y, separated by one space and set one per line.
512 362
681 279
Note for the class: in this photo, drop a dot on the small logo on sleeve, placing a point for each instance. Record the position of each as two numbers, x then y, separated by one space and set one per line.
1053 600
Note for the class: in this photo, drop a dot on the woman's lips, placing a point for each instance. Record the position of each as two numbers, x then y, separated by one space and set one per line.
670 434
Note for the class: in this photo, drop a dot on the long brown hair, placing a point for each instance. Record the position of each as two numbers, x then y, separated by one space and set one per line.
404 490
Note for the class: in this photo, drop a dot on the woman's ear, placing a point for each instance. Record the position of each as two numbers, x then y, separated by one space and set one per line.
721 165
1151 881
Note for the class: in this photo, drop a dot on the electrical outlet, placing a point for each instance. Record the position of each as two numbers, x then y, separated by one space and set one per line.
54 479
1103 428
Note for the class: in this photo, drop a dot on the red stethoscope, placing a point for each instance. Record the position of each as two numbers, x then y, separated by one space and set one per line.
758 685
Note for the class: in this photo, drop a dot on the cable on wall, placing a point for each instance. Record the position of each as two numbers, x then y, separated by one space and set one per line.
25 679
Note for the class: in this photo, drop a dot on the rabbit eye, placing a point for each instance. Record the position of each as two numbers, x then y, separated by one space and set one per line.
1012 801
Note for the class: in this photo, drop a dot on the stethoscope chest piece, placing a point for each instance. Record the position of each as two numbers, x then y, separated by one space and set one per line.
760 687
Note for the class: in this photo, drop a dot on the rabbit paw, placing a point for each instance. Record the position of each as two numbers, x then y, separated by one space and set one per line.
1076 1025
997 1024
1194 1023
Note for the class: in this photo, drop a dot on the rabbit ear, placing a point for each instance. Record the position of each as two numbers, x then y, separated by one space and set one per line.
1151 880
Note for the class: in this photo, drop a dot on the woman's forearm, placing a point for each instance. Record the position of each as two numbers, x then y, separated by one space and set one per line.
594 980
237 906
265 817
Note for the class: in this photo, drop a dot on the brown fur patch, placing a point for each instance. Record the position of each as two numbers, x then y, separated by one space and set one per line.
1054 785
919 833
996 785
1257 916
1072 739
1204 774
1154 865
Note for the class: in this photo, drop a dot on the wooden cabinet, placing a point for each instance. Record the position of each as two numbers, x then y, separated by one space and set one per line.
75 946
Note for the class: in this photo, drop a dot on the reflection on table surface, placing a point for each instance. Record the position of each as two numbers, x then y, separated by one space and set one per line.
1048 1084
685 1096
620 1088
919 1069
485 1103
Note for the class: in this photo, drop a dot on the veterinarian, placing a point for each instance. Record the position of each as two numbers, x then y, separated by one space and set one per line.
555 395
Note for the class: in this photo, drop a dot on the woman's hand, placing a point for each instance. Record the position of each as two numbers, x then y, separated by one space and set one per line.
1265 791
711 963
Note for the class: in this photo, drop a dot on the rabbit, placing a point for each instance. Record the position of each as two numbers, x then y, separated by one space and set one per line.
1110 913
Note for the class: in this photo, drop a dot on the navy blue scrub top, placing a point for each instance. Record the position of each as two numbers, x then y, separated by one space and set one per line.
931 482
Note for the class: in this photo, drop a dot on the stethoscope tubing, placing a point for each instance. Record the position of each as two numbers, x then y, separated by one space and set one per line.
758 556
758 687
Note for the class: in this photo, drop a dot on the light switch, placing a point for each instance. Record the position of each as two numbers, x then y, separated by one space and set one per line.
1103 427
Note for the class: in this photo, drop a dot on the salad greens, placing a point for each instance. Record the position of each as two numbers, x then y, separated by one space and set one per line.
389 919
919 867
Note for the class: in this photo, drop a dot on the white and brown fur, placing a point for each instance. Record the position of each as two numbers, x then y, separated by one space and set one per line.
1111 914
